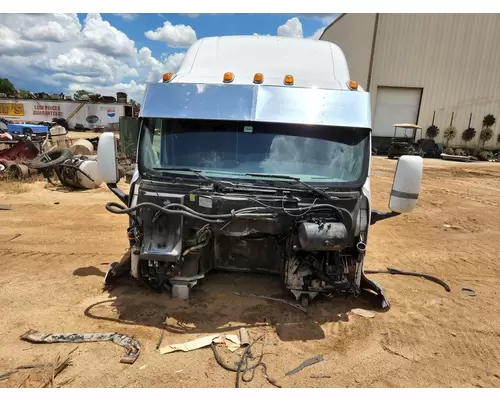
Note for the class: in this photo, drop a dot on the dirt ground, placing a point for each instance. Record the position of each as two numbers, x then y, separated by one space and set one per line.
55 247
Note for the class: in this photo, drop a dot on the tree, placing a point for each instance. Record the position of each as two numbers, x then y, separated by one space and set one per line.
80 93
6 86
133 102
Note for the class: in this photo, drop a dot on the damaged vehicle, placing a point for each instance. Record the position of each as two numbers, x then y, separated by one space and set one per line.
254 158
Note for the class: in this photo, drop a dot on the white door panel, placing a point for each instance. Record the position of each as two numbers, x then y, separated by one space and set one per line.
395 106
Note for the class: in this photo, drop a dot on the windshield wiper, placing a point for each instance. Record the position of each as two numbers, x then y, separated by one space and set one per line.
198 173
287 177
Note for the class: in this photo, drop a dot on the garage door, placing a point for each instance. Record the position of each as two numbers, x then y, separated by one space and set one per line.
395 106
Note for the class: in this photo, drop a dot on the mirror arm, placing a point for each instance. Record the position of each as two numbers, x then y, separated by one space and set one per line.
380 216
118 192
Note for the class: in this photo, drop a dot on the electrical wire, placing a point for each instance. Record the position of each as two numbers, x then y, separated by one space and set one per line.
244 213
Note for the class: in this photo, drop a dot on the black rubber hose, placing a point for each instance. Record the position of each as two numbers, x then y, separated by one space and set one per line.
77 168
117 208
224 216
219 360
188 212
250 211
393 271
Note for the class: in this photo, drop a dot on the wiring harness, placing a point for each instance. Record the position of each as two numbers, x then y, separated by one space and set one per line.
243 213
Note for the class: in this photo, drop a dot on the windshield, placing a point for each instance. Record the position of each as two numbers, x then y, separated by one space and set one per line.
229 150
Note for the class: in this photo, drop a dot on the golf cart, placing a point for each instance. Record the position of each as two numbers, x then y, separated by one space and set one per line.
404 145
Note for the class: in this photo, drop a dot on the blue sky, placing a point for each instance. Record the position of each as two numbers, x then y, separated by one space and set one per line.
106 53
208 25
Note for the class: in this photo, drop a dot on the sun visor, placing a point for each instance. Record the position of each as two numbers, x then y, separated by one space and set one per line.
292 105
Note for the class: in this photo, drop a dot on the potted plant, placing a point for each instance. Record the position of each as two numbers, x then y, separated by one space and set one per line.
485 135
449 134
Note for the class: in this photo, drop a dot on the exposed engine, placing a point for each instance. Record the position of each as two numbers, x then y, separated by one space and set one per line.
315 245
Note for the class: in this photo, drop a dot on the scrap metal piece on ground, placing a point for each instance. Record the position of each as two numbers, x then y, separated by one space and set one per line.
273 298
370 285
5 208
394 271
57 367
244 337
304 364
469 292
363 313
131 345
160 340
232 342
14 237
188 346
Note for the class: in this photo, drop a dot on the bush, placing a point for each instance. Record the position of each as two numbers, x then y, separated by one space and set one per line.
485 156
468 134
460 152
489 120
450 133
449 151
486 134
432 131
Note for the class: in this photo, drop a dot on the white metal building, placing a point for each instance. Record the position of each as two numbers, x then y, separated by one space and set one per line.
85 113
420 67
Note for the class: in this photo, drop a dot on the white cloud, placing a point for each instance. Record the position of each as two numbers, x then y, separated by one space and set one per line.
173 62
56 50
101 36
316 35
52 32
174 35
11 44
157 68
127 17
291 28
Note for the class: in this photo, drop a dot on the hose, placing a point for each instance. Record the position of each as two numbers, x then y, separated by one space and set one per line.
117 208
77 168
246 213
305 210
219 360
393 271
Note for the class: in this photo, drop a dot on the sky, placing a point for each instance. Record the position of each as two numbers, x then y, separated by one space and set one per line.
108 53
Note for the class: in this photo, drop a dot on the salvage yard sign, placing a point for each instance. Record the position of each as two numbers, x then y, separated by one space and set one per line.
12 109
47 110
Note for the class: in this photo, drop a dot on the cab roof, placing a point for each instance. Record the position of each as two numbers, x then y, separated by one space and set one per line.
312 63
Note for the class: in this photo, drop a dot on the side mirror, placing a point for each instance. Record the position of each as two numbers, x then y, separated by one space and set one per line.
107 162
406 185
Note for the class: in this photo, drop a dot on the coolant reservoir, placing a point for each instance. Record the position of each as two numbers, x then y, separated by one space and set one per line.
90 168
59 136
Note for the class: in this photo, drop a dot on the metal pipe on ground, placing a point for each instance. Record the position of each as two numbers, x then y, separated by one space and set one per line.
21 172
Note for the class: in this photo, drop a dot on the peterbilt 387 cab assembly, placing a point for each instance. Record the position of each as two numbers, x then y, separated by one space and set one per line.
254 156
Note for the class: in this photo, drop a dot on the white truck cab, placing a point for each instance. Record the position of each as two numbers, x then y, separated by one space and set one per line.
255 156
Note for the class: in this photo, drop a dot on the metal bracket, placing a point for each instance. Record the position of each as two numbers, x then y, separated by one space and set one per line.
118 193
